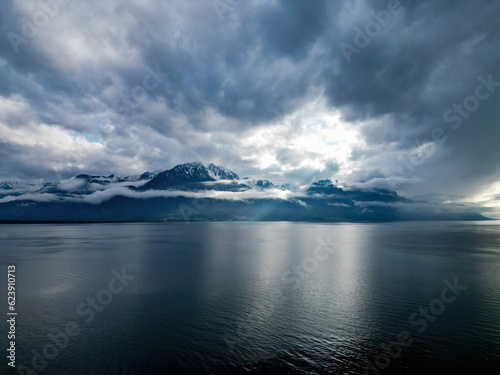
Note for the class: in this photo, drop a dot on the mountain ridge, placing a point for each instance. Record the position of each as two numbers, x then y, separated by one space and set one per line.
164 196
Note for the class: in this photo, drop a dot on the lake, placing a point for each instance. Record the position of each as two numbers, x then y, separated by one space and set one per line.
254 297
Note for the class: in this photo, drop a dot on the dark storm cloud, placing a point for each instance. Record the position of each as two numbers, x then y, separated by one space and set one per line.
427 59
131 86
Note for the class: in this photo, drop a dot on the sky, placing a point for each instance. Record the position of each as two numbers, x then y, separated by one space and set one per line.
394 94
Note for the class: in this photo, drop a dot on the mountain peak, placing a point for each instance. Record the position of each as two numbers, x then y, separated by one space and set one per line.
221 173
179 175
259 183
324 187
148 175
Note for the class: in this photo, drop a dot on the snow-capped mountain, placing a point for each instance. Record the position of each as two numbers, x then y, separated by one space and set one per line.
259 183
7 185
221 173
165 196
288 187
148 175
179 175
324 187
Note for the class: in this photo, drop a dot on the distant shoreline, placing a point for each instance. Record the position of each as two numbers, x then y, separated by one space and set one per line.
6 222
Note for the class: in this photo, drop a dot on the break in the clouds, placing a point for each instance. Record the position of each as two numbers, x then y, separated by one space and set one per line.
402 94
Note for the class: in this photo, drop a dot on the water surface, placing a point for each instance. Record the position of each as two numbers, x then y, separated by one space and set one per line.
241 297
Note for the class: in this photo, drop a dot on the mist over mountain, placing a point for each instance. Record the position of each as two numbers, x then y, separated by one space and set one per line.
194 192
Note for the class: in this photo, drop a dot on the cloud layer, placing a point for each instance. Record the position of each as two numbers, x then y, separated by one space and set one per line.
373 93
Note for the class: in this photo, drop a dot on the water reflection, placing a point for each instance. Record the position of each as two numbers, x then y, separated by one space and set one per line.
209 297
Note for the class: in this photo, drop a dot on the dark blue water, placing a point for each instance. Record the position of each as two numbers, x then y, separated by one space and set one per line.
270 298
